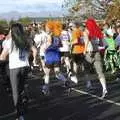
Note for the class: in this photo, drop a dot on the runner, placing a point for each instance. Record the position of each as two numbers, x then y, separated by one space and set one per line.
65 52
17 48
111 58
77 47
52 53
92 38
41 43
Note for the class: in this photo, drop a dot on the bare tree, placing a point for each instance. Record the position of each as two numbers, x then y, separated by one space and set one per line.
113 12
95 8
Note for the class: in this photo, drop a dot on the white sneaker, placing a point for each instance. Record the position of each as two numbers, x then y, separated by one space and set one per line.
74 79
60 77
20 118
104 94
36 65
117 79
89 85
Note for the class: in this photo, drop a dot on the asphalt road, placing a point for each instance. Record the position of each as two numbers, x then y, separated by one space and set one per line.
62 105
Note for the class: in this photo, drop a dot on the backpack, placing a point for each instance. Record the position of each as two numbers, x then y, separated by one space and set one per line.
52 56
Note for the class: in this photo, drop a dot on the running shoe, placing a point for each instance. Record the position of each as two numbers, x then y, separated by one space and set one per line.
73 77
104 94
45 90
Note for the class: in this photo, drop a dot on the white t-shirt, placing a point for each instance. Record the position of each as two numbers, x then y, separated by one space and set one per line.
14 60
65 40
41 41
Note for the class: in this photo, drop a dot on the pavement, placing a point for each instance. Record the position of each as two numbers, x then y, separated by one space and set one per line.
62 104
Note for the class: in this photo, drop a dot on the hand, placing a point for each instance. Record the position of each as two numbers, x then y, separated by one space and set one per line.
2 58
84 52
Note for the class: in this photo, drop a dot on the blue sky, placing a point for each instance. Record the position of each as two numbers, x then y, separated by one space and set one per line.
30 5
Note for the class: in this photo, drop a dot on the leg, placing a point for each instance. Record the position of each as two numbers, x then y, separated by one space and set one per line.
43 65
75 68
87 66
72 76
112 64
47 76
59 75
98 68
45 88
14 84
17 83
68 65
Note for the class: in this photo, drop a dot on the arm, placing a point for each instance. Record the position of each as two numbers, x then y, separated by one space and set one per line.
86 41
34 53
6 46
49 42
4 54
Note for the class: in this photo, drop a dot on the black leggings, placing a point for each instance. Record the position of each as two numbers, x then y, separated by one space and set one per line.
17 79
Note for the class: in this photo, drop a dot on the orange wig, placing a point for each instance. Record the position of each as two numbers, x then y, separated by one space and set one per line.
55 27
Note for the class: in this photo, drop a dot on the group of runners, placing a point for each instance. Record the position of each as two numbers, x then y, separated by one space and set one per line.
71 45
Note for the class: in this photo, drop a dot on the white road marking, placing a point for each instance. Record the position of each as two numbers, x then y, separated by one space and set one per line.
95 96
78 91
8 115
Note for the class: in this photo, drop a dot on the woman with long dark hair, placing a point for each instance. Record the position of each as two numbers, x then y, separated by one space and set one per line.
17 47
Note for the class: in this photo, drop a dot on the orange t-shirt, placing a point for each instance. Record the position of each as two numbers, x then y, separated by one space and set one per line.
77 47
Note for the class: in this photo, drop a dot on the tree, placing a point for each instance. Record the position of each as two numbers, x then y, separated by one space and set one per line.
3 23
25 20
12 22
96 8
113 11
3 27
